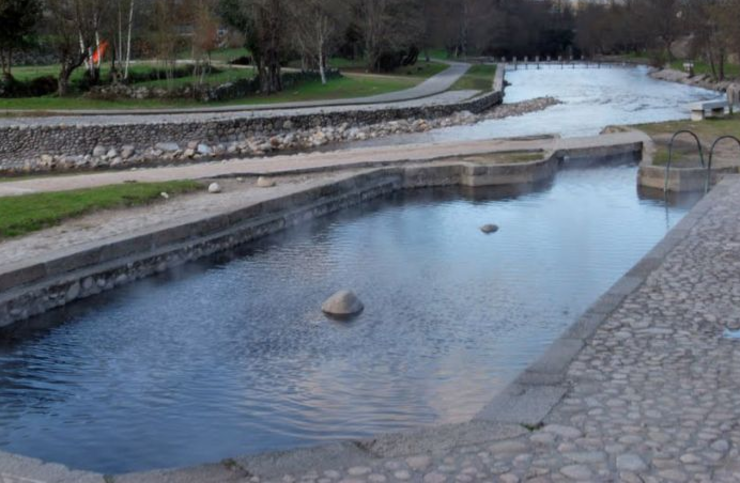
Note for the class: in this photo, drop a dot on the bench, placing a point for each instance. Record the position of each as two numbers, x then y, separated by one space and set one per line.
715 108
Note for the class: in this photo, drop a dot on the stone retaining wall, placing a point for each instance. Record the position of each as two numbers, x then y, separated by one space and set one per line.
22 148
35 287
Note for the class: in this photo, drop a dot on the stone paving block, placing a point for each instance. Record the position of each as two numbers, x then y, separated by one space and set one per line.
522 404
19 469
626 285
225 472
318 458
558 356
439 438
586 325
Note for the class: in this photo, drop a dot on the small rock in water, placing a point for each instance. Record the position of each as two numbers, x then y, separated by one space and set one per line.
264 182
343 304
489 229
215 188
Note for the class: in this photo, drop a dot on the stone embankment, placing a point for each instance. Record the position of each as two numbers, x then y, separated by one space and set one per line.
704 81
260 143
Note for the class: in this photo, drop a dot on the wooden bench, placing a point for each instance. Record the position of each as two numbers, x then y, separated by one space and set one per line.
714 108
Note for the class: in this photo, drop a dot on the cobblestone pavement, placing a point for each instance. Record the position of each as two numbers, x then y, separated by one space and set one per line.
654 396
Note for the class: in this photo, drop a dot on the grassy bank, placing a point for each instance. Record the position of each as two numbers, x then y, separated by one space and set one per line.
685 151
703 68
20 215
345 87
478 78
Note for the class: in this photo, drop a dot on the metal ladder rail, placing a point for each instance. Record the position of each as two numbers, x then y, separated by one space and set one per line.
708 180
670 154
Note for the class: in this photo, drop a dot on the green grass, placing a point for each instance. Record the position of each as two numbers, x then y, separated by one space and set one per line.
421 69
221 77
708 129
345 87
478 78
703 68
685 149
20 215
31 72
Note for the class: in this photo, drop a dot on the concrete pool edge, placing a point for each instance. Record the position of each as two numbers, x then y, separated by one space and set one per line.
422 440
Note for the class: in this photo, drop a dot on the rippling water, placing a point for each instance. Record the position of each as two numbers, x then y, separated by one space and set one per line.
592 99
233 356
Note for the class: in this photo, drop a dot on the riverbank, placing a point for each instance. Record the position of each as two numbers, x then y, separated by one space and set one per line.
704 81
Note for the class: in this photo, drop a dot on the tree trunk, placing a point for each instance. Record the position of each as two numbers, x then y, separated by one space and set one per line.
63 84
128 41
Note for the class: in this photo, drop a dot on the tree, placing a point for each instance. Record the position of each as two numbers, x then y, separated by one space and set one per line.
392 31
317 23
264 25
18 19
74 27
205 37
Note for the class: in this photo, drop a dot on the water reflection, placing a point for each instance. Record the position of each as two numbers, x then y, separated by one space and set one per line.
233 356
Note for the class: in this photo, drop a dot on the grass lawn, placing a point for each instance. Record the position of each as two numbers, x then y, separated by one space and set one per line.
221 77
24 214
478 78
685 152
345 87
421 69
703 68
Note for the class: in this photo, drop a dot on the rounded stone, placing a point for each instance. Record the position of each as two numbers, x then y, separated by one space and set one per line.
343 304
263 182
630 462
489 229
215 188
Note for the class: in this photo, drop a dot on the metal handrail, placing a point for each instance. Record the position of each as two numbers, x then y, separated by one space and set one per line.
670 153
708 180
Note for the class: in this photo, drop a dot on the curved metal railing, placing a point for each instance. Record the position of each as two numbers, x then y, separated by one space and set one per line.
670 153
708 180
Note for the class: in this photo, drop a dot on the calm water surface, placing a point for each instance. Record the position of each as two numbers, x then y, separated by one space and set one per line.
233 356
592 99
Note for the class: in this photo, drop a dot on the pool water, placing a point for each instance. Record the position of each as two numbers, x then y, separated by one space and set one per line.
233 356
591 99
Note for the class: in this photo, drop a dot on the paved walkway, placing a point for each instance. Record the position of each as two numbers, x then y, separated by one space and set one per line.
435 85
313 162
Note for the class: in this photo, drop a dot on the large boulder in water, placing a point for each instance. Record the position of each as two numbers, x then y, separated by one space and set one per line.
489 229
343 304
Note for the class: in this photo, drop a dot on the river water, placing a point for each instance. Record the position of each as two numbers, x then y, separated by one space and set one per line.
592 99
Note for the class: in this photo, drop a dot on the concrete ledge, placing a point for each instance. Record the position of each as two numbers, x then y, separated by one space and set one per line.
680 180
522 404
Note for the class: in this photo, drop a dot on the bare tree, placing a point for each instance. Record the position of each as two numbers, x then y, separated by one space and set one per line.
74 25
317 23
